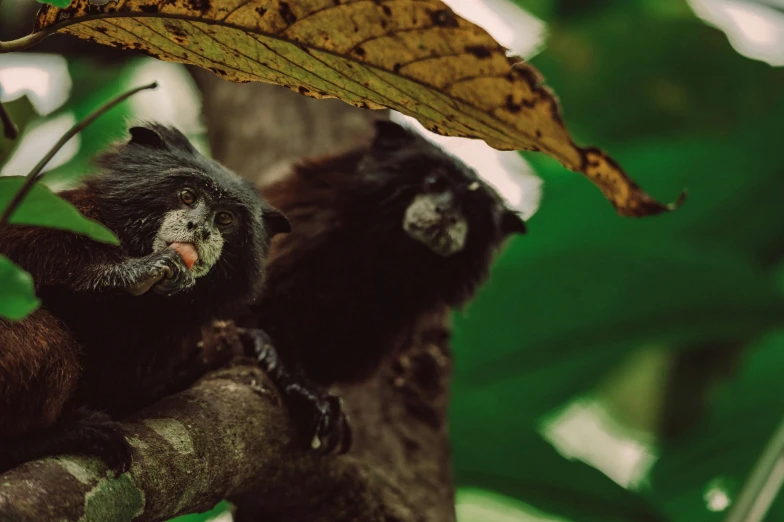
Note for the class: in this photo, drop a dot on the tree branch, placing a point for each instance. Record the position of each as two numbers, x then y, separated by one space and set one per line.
20 44
190 451
229 436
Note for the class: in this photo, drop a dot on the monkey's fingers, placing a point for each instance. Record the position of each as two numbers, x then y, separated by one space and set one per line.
143 286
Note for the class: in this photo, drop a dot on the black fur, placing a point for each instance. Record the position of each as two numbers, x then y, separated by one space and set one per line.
345 287
138 185
111 351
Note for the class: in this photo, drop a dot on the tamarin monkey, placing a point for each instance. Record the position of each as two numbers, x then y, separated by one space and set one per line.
193 241
381 236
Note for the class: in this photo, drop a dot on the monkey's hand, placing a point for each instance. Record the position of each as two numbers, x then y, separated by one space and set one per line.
176 275
164 271
316 412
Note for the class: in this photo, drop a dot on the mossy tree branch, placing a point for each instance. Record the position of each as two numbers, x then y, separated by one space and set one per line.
230 436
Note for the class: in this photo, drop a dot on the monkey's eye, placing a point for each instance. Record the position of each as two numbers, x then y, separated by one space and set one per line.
188 196
434 183
224 219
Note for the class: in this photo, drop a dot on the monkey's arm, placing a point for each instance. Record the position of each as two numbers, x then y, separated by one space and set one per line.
57 257
136 275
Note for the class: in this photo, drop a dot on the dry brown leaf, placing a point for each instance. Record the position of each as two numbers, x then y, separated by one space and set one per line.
414 56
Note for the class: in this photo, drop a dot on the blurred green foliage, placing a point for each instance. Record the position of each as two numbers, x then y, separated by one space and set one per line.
93 85
671 100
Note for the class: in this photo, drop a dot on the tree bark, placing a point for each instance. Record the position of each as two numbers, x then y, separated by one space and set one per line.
229 435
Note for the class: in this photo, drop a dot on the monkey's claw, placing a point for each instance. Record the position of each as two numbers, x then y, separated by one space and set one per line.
320 415
317 413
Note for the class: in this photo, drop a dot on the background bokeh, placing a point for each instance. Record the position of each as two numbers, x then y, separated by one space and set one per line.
612 369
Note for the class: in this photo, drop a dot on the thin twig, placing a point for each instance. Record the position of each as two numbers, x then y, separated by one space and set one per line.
20 44
35 173
763 484
10 129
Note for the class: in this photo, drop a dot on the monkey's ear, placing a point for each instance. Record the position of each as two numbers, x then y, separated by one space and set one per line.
390 135
512 223
276 222
147 137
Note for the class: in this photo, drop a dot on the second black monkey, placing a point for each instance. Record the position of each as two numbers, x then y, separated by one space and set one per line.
380 237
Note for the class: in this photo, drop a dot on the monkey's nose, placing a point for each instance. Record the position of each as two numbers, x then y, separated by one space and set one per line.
190 225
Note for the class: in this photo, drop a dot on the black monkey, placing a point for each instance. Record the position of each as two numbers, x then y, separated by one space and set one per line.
107 341
381 236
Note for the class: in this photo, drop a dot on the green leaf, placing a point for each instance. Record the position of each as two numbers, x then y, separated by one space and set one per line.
561 316
22 113
543 478
57 3
43 208
17 291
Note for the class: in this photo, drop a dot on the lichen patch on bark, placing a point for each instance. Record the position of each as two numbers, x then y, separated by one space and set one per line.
173 432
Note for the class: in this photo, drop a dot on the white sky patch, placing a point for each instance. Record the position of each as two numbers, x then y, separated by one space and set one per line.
175 102
585 431
754 29
511 26
506 171
38 139
43 77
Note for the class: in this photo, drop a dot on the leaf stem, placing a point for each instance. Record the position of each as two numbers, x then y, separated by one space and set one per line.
10 130
20 44
35 173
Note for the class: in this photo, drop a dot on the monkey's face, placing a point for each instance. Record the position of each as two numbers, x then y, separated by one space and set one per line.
162 191
445 204
198 216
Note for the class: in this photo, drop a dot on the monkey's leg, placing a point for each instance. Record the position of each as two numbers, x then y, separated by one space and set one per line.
316 411
84 431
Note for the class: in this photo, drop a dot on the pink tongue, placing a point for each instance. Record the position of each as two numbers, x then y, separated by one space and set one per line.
187 252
